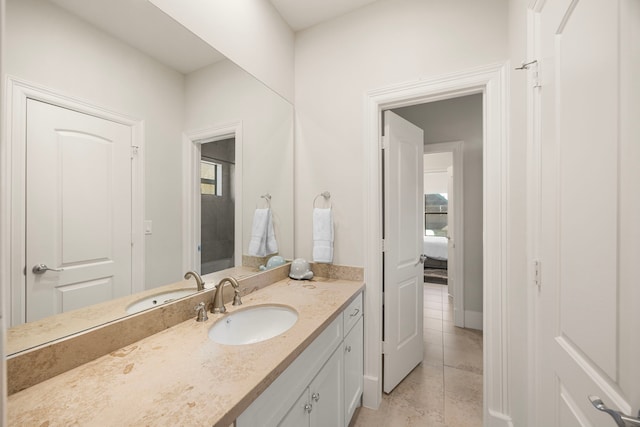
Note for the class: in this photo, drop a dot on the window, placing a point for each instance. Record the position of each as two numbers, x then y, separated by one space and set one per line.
210 178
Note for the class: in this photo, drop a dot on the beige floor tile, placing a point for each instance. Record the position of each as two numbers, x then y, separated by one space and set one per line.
435 324
462 398
432 305
433 314
446 389
432 337
433 354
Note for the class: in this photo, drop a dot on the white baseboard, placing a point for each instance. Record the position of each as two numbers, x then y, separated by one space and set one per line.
473 319
496 419
371 393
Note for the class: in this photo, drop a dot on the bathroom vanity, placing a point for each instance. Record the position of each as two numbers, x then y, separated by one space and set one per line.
182 377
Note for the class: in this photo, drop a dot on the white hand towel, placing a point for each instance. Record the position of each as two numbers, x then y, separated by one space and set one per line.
322 235
271 246
263 241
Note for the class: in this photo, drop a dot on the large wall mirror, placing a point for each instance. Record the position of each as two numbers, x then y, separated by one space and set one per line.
195 126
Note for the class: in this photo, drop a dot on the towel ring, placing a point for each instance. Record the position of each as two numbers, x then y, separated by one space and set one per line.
266 197
326 196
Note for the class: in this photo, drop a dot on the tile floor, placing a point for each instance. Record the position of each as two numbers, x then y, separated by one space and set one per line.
446 388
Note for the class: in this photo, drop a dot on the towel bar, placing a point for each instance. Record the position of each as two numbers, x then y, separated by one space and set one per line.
267 197
326 196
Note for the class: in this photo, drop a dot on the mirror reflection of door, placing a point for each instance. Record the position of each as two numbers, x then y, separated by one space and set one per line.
217 205
78 210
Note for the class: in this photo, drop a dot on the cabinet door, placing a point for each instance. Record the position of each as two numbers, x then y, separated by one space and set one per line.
353 370
298 415
326 392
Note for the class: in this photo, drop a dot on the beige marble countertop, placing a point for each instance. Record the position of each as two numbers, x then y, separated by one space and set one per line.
179 376
32 334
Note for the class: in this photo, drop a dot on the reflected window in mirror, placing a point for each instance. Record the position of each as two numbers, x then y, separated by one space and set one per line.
210 178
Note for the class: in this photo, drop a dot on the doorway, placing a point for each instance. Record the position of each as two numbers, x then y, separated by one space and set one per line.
216 151
490 81
439 215
456 125
217 205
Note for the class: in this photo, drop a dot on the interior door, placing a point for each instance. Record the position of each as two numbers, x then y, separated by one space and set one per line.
403 264
451 233
78 210
589 240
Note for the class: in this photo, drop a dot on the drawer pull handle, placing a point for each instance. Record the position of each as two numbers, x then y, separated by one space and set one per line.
348 349
355 312
315 397
308 407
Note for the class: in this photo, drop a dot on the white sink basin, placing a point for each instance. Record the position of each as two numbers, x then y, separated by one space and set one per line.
253 325
159 299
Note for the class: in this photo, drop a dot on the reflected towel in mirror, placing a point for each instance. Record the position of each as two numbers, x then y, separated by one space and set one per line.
263 239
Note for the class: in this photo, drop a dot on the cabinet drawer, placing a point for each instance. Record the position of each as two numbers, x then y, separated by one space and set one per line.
352 313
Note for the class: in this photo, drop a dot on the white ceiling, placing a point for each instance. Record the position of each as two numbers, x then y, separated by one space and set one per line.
301 14
145 27
148 29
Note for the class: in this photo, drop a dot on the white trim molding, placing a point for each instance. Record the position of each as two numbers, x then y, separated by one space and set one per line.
456 148
491 81
12 217
191 189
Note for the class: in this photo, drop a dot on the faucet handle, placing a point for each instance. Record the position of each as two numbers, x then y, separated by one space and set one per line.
201 312
236 298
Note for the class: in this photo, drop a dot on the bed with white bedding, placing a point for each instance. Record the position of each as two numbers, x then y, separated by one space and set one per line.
436 250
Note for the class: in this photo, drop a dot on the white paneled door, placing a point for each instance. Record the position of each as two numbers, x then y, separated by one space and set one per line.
78 210
589 207
403 263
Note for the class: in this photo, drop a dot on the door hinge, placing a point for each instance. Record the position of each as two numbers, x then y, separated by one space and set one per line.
537 274
384 142
534 66
134 150
384 347
382 245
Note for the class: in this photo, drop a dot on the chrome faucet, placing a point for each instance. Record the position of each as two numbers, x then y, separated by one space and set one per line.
218 303
195 275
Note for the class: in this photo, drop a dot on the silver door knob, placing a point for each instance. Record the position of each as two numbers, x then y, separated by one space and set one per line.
315 397
621 419
308 407
422 259
41 268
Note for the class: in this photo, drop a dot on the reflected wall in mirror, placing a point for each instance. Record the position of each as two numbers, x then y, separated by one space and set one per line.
153 82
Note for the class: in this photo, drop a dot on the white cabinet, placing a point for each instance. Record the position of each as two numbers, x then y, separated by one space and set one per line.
321 404
323 386
353 370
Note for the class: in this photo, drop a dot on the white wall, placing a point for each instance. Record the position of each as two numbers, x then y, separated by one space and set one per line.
223 93
48 46
437 161
460 119
337 62
520 288
436 177
249 32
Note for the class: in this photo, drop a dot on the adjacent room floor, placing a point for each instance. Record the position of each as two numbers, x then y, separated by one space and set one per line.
446 388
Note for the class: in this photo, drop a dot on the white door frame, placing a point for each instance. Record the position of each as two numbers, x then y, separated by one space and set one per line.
491 80
191 190
12 217
458 202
